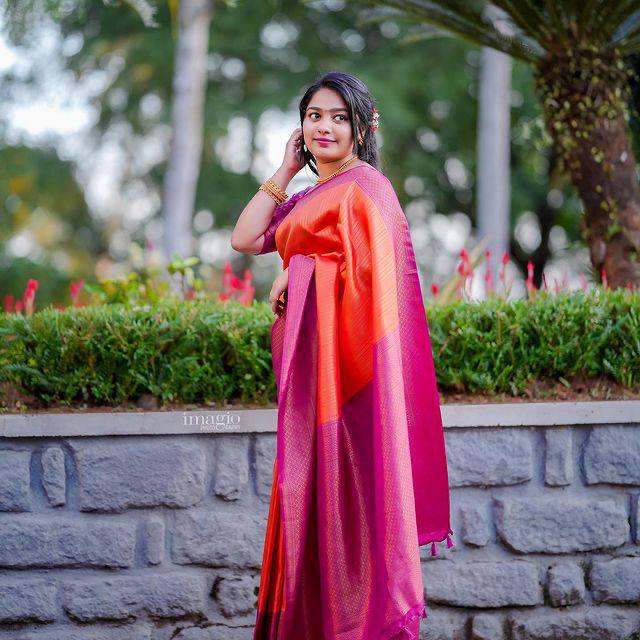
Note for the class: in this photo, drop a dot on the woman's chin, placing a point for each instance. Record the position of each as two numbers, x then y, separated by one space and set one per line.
321 154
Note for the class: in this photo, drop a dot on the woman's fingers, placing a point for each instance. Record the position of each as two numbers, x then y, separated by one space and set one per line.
278 305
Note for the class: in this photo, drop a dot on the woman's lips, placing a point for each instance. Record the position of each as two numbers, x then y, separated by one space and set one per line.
323 142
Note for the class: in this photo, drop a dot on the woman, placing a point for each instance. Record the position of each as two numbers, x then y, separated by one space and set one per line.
360 475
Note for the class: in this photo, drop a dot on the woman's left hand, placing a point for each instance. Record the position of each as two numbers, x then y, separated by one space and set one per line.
278 295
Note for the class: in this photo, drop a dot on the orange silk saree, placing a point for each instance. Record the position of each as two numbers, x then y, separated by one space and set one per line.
360 476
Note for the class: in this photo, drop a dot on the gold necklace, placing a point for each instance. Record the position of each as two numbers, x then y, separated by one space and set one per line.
338 170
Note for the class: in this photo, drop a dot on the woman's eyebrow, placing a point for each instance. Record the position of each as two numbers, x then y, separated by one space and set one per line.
318 109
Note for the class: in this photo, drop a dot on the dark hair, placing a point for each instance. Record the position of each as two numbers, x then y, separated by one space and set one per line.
360 105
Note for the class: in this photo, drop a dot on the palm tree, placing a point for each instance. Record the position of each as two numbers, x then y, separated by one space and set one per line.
577 49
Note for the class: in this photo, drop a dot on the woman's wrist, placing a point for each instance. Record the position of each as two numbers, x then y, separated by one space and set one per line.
282 177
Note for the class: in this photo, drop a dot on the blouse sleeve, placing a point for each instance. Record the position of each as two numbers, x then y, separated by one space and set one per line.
279 214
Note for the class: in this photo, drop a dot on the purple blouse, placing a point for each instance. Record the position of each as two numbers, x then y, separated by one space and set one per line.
279 214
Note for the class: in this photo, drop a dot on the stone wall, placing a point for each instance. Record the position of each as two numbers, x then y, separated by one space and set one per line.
151 526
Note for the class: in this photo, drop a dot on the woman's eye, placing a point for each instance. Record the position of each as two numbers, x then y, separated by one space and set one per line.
337 116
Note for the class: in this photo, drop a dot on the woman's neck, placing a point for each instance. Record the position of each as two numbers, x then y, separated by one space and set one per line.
325 169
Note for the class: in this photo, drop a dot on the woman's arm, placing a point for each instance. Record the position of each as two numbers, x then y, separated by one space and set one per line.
248 234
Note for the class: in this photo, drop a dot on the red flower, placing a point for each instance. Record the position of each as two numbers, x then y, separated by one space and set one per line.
8 303
583 281
503 270
530 285
76 290
465 269
488 274
233 286
29 296
434 289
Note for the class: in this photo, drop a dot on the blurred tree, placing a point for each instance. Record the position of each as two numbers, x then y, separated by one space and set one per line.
45 228
634 62
261 57
187 113
494 145
577 52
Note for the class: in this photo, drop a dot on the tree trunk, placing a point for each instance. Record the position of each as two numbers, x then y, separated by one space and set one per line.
493 193
584 94
189 86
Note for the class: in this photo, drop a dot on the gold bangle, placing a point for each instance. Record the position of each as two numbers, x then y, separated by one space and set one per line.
278 196
275 198
278 190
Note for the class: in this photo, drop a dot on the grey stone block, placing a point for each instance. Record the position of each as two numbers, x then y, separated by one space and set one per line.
25 599
266 447
489 458
53 475
59 541
475 526
215 632
570 525
231 475
237 595
482 584
487 626
218 538
15 492
636 515
443 624
115 476
558 463
612 455
616 581
167 595
565 584
588 624
74 632
154 540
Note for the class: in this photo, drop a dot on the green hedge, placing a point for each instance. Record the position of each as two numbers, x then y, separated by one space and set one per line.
200 351
499 347
177 351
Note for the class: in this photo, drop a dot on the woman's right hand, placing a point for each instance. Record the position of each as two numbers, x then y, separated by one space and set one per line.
293 159
278 294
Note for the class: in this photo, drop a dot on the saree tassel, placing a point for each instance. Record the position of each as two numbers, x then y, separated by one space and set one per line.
409 635
449 541
434 549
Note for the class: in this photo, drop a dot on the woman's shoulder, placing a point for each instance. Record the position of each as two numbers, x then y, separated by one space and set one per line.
371 179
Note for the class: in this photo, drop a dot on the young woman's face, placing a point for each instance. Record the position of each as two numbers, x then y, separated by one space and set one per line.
327 117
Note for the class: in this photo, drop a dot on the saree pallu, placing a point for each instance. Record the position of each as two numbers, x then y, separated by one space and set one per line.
360 476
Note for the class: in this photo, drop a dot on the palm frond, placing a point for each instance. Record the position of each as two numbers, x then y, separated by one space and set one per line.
624 22
559 27
527 16
383 14
470 24
630 46
429 32
146 10
628 30
377 15
586 16
606 22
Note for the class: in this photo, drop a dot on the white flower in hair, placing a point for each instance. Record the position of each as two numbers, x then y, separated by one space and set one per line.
376 119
